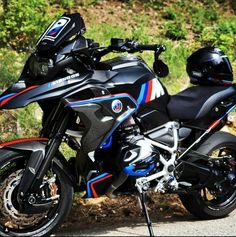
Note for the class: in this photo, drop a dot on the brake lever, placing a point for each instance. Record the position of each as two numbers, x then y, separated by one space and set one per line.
130 46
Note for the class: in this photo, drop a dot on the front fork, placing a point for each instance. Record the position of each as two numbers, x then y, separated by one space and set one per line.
40 161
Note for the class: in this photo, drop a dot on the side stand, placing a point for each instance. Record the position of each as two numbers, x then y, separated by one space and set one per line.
142 199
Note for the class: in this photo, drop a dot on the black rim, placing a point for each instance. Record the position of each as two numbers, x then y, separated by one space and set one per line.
214 198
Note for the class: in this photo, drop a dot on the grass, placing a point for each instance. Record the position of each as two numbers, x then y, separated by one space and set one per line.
29 120
10 67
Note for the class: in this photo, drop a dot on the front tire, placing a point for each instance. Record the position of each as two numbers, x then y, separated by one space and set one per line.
207 204
14 223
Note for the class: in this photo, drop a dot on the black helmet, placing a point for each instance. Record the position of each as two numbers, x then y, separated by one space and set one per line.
209 66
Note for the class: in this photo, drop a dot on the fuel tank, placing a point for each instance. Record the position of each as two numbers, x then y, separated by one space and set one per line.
138 80
133 77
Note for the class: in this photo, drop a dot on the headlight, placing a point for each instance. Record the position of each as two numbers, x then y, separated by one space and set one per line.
40 66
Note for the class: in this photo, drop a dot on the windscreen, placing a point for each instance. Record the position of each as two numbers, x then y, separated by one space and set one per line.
60 31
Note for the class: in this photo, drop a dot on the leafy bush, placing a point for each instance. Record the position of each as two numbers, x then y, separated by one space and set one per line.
155 4
170 14
8 125
23 22
198 24
29 120
227 26
64 3
226 43
201 17
176 30
10 67
210 15
175 56
104 32
208 36
222 35
18 123
67 3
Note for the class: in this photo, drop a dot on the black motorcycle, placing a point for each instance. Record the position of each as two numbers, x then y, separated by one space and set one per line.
128 133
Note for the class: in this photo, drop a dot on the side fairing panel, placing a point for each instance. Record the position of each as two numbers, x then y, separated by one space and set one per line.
101 116
54 89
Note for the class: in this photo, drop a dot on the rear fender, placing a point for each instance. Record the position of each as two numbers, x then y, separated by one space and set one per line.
216 140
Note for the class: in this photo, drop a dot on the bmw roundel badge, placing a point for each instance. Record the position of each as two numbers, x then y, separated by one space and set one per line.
117 106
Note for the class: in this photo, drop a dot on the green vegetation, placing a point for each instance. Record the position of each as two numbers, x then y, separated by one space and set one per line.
181 26
175 30
10 67
22 21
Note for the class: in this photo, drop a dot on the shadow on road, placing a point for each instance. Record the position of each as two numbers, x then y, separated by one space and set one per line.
123 217
105 226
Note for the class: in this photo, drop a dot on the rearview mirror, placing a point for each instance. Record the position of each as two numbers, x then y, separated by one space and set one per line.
160 68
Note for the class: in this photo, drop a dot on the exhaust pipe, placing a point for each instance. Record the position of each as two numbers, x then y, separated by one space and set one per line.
116 184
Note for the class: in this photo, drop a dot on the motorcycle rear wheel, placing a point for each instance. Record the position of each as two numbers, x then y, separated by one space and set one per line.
207 204
14 223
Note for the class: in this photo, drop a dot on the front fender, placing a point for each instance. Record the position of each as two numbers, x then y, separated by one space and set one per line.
26 144
37 148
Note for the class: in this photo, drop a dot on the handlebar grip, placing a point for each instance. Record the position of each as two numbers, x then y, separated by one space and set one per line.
152 47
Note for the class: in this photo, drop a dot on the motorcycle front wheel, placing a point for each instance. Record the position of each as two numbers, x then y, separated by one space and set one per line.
209 203
56 186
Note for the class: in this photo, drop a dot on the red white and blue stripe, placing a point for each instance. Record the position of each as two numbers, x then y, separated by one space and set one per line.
91 192
150 91
8 97
217 122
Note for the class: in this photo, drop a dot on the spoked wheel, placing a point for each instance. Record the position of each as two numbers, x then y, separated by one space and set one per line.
219 200
55 187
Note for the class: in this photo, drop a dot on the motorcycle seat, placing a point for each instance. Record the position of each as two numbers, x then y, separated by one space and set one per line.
195 102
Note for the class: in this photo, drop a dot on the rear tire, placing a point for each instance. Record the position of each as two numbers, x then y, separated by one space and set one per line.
12 164
218 207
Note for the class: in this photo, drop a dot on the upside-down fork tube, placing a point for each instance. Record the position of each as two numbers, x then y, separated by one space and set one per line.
50 153
37 148
39 163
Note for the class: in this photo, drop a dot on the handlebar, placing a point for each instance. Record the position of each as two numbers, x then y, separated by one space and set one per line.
93 53
133 46
151 47
130 46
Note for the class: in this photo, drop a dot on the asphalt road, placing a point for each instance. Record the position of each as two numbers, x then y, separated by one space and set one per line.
180 226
